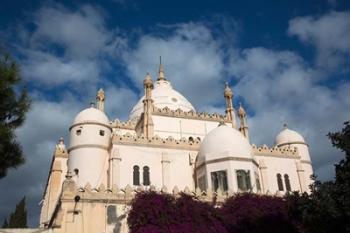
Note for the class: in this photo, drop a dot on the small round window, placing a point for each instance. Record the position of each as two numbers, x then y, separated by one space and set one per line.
174 100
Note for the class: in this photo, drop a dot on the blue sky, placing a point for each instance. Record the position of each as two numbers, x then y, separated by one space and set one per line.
287 61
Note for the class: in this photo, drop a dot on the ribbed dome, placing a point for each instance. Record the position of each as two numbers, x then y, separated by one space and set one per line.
288 136
163 95
91 115
222 142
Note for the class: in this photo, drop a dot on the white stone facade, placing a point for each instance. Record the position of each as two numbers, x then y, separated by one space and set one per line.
165 146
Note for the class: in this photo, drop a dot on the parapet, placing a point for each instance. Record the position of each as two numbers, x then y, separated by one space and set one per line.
127 194
264 150
130 124
189 115
156 141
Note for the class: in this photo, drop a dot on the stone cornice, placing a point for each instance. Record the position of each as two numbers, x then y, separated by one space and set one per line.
229 158
292 143
90 123
306 161
189 115
275 152
156 141
88 146
61 153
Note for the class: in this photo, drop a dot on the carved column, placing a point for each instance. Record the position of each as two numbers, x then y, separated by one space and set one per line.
114 169
264 176
230 112
148 125
301 177
165 170
243 127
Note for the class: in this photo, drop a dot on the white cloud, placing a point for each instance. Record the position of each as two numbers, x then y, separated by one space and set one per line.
53 70
329 33
279 87
68 46
119 102
192 60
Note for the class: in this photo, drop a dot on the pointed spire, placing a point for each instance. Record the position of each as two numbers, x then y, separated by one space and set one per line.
161 75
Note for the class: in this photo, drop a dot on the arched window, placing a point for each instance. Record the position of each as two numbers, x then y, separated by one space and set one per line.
190 139
146 179
279 182
243 180
136 175
287 182
219 181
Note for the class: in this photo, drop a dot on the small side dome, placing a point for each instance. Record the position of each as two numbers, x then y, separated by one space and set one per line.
288 136
223 142
91 115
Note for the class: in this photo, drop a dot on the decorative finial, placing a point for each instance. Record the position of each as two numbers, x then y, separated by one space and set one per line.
92 104
228 92
148 82
161 75
241 111
285 126
222 122
100 99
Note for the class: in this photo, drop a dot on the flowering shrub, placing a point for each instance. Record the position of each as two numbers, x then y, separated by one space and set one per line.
156 213
245 213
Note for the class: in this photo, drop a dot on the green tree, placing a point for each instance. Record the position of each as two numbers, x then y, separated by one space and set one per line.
341 188
5 224
18 219
327 208
14 105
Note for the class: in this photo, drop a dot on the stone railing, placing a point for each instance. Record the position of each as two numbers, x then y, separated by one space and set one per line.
156 141
189 115
275 151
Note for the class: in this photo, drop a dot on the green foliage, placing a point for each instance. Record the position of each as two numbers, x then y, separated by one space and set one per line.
340 191
14 105
18 219
5 224
327 208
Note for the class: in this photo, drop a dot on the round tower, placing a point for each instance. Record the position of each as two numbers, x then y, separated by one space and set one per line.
290 139
90 136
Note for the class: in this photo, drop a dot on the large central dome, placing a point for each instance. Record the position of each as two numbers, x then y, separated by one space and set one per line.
163 95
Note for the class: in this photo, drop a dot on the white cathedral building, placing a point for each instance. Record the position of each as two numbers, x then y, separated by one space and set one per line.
165 146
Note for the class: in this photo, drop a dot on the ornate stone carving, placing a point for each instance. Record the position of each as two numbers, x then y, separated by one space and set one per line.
131 124
156 141
189 115
264 150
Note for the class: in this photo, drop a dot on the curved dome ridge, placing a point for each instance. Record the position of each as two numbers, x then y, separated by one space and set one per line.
288 136
91 115
224 141
163 95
